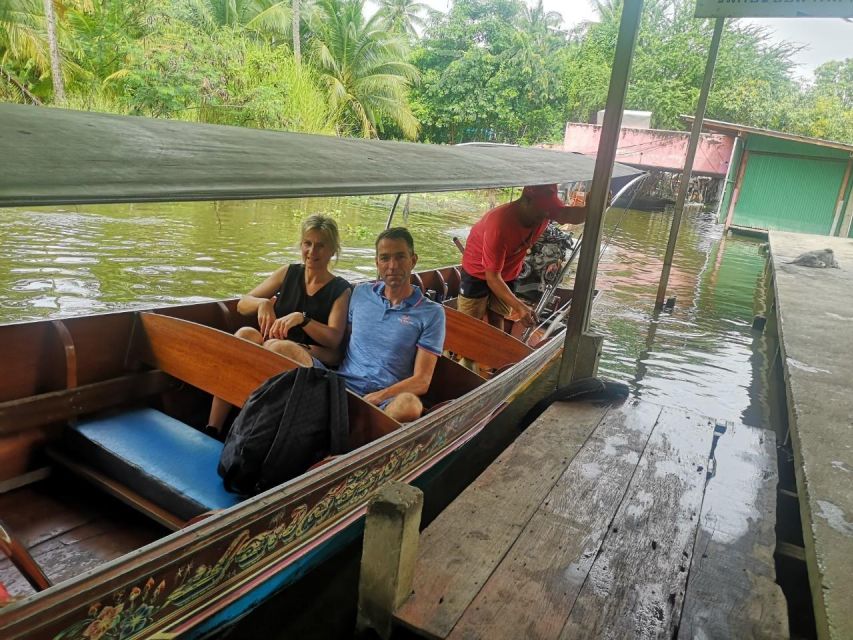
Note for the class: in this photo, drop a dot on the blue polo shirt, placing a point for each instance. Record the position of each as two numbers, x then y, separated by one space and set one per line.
385 338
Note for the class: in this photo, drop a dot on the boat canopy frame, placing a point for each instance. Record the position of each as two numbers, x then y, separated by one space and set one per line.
64 157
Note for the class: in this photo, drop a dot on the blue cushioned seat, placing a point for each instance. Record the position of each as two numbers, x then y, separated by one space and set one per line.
160 458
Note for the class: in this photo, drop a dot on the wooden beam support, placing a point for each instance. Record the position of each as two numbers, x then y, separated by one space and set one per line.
70 353
56 406
24 479
120 491
388 555
839 204
17 552
730 216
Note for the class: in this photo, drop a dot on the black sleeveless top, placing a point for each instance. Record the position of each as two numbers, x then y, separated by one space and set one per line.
292 296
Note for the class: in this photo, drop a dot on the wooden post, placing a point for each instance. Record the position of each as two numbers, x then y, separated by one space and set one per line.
839 207
730 216
578 341
388 555
692 145
731 176
848 219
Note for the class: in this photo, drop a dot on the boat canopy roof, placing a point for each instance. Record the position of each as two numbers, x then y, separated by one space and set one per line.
59 156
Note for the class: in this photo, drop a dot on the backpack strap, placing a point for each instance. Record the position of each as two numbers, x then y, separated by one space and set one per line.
338 415
279 443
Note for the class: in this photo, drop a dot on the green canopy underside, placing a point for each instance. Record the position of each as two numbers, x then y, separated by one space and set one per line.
58 156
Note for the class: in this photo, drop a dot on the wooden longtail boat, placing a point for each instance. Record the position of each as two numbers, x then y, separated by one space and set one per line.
116 576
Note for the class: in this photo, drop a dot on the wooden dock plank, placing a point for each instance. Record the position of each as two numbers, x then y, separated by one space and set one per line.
531 592
731 585
455 558
635 588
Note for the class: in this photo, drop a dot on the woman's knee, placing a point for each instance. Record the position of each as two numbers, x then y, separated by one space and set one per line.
251 334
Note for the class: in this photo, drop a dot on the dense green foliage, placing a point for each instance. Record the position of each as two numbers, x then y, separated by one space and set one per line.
501 70
491 72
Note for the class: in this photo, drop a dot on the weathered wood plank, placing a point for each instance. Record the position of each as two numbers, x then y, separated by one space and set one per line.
35 513
635 588
68 530
531 592
457 552
731 585
78 550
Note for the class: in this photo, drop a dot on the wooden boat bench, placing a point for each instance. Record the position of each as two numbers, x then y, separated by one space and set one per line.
162 466
153 462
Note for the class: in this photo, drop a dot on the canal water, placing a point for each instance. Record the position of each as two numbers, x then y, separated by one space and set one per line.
57 263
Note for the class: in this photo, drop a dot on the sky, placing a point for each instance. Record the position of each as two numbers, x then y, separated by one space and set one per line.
824 38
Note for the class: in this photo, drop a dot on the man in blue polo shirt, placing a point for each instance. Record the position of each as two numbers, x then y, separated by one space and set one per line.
397 334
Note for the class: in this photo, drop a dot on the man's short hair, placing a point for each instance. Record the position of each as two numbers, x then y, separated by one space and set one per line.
397 233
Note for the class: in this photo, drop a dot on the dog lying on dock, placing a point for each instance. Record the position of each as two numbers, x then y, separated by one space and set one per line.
820 258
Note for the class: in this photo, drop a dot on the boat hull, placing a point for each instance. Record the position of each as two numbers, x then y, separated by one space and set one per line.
195 580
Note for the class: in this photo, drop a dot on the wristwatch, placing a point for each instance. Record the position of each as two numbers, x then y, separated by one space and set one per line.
305 319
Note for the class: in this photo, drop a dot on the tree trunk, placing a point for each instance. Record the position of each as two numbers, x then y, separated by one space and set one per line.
55 67
297 45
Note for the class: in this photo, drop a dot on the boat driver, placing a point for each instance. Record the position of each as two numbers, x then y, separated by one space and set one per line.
396 333
496 247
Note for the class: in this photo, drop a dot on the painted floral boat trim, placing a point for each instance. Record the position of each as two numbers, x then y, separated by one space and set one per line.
132 611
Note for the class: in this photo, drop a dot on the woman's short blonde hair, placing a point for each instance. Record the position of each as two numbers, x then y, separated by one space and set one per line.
325 225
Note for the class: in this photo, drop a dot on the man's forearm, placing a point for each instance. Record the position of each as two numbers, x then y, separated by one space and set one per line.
501 290
415 384
572 215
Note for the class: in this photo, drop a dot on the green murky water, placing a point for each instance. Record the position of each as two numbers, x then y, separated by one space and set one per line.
101 258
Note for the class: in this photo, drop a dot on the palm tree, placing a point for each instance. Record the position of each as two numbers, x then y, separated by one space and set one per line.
608 10
364 68
403 16
297 43
268 18
541 26
53 44
22 40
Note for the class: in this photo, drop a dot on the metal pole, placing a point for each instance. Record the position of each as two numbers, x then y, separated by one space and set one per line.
393 209
578 320
688 161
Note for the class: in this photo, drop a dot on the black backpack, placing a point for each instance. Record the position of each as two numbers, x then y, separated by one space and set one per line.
290 422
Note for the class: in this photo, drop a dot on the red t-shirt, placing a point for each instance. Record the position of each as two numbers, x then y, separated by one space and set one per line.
498 242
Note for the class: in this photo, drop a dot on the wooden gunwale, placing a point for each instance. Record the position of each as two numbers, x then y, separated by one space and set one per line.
454 425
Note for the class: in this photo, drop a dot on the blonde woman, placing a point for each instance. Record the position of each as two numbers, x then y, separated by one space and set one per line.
301 308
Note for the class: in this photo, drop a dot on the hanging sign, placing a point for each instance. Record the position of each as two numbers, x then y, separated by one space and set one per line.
774 8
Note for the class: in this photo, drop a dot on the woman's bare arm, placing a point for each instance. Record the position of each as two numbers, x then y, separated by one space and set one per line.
331 334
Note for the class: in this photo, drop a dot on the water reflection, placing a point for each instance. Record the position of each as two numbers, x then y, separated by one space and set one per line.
101 258
699 356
